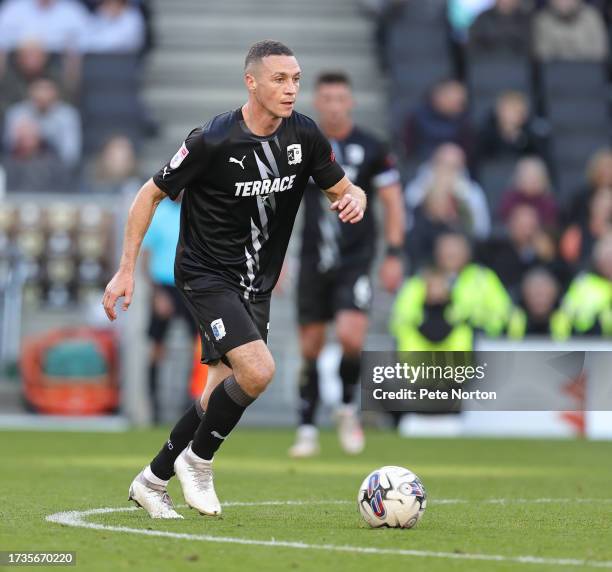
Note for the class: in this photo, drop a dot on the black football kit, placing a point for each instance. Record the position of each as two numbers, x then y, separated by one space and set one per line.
242 193
335 257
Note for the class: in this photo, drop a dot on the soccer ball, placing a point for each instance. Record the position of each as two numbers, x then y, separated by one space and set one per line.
393 497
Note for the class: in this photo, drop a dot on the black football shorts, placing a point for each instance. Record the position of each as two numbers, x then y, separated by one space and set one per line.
158 325
321 295
227 320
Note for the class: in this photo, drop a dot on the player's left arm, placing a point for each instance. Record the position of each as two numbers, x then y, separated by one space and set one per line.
349 200
391 270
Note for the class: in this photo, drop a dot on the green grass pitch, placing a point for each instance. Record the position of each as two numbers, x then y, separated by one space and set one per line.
569 516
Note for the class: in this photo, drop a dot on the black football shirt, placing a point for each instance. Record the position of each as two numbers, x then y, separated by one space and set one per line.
242 193
327 242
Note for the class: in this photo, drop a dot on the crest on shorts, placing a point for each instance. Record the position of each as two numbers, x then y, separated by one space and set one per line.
218 328
362 292
179 156
294 154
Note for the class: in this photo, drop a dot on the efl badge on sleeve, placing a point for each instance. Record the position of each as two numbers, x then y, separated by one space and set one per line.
179 156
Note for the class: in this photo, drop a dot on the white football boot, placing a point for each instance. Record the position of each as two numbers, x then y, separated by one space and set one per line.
153 498
350 433
306 442
196 477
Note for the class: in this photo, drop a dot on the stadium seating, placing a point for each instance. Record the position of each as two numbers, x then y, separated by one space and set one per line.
489 75
575 96
417 49
110 99
495 176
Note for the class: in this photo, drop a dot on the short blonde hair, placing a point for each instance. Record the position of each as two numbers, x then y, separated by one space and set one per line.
539 164
512 96
595 163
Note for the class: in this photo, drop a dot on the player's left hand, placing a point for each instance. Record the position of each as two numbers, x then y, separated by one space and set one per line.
391 273
349 208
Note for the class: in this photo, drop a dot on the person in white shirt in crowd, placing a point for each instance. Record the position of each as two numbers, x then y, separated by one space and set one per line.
570 30
59 122
447 167
115 27
57 24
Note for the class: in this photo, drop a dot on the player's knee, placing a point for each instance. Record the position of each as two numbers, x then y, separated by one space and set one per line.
311 351
311 343
351 342
265 374
258 376
157 352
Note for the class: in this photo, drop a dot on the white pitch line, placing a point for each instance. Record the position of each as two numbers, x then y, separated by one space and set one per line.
524 501
75 518
436 501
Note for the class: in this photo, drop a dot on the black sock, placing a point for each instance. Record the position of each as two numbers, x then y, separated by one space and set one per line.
349 374
225 408
309 391
153 376
163 464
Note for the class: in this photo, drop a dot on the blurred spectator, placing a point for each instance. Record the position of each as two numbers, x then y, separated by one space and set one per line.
569 30
598 176
30 164
504 28
531 186
539 296
477 294
58 25
527 245
509 132
442 118
601 5
144 9
115 27
59 122
579 238
437 215
420 318
586 308
28 63
115 168
448 193
461 14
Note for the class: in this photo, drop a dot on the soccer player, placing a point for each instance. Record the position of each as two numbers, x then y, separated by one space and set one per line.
243 176
334 281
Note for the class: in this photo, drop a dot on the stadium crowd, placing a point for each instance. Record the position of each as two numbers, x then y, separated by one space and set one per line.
69 90
500 120
503 130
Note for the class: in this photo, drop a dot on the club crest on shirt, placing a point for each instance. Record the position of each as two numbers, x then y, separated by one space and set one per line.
179 156
294 154
218 328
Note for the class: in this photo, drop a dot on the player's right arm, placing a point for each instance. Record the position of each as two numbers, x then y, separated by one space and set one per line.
139 218
186 164
345 197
